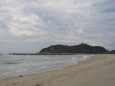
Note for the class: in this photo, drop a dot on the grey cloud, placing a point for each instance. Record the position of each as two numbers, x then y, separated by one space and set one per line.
25 24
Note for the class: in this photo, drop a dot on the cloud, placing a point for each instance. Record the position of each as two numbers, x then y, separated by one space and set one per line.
46 22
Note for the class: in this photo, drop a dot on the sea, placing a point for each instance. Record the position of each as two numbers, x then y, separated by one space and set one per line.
16 65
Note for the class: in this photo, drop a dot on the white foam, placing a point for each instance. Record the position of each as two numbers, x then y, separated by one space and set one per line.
5 73
74 58
21 71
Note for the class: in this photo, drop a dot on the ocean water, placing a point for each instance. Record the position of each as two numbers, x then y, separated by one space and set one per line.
16 65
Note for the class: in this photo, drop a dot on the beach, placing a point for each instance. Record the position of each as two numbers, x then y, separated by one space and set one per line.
97 71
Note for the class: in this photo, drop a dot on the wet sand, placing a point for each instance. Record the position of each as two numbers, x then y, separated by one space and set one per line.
98 71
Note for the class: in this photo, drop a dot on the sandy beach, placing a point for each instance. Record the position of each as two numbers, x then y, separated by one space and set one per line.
98 71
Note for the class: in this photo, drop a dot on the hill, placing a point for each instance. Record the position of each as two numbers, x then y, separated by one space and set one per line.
112 52
75 49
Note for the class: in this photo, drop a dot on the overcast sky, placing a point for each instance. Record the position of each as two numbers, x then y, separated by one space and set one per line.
30 25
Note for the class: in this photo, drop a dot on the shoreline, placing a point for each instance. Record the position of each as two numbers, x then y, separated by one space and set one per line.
72 61
74 75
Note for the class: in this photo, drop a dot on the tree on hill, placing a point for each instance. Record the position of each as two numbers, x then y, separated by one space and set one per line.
81 48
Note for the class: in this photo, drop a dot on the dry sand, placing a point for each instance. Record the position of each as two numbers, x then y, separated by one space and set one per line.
99 71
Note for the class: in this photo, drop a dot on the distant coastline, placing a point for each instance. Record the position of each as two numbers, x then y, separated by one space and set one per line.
70 50
23 54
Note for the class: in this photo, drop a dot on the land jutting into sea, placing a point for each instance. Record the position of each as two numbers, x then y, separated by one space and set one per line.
60 49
